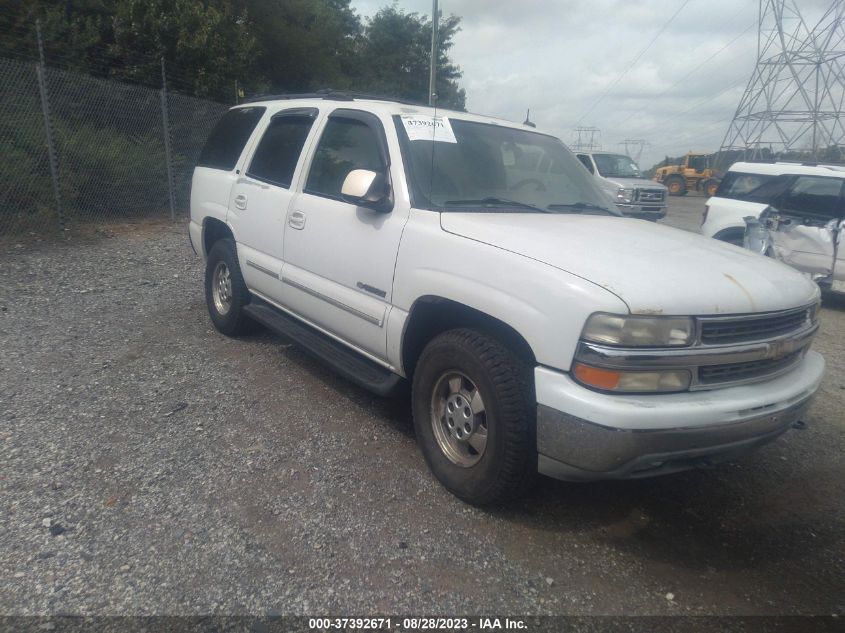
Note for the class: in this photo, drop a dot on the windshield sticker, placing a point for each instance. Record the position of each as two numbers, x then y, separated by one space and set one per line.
428 128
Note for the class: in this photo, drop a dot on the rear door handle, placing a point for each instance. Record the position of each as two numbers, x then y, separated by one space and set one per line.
296 220
240 201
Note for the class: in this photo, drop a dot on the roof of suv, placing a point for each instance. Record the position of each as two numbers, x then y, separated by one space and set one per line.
387 107
776 169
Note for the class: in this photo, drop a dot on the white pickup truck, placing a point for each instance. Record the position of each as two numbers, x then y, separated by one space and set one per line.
538 329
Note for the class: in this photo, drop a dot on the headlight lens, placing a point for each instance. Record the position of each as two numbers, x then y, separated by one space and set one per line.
625 195
633 381
638 331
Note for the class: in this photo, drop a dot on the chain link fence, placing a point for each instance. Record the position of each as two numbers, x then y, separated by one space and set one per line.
80 149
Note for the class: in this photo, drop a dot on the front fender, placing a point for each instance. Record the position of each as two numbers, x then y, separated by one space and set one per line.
546 306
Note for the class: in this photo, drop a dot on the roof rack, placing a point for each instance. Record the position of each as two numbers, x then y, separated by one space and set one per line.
331 95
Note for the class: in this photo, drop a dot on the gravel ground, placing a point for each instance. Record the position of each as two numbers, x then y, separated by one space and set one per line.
152 466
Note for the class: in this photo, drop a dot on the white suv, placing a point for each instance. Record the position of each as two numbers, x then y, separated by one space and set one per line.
749 188
538 329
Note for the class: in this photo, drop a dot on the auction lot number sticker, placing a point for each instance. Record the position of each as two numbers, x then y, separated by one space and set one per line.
428 128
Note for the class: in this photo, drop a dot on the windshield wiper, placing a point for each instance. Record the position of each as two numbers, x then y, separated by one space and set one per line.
580 207
493 202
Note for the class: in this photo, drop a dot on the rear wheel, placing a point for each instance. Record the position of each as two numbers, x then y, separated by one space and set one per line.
225 291
676 185
474 416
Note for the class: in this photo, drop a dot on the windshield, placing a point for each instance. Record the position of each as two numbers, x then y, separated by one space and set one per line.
488 167
616 166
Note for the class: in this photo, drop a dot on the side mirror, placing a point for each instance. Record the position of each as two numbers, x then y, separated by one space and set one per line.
367 189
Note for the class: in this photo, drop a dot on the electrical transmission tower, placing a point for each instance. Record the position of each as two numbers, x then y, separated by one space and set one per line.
587 139
794 99
634 148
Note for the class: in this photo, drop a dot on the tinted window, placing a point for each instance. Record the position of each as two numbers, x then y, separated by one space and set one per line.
813 195
698 163
346 144
494 162
770 191
278 151
586 162
737 185
227 139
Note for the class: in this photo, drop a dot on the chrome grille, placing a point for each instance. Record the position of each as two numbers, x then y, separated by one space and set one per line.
650 195
727 330
740 372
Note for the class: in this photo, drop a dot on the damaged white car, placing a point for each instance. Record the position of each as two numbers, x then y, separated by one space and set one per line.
809 244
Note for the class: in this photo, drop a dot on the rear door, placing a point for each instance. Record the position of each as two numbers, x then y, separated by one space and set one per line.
261 196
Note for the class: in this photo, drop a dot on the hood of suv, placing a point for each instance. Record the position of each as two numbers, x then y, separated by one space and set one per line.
630 183
653 268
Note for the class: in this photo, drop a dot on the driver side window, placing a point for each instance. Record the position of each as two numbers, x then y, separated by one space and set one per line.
346 145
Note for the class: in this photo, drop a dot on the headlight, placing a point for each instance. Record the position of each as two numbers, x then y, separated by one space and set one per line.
625 195
638 331
632 381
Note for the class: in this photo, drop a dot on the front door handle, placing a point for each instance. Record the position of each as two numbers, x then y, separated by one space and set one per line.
240 201
296 220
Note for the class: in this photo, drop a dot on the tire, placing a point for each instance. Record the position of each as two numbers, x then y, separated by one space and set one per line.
226 299
709 187
676 185
502 417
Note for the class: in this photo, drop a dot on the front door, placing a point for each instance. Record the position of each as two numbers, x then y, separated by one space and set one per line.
340 257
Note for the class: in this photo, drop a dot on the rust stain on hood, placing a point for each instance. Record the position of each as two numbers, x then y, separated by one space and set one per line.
744 291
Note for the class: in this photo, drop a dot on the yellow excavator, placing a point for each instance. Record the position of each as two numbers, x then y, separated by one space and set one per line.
693 174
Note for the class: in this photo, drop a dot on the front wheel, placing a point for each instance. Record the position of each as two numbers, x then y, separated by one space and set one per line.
676 185
474 416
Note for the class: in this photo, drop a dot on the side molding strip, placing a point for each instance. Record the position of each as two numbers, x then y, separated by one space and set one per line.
266 271
334 302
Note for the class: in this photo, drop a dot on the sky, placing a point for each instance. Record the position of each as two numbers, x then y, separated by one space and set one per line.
575 63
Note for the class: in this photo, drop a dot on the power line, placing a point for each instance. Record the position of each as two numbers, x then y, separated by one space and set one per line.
685 77
694 107
634 62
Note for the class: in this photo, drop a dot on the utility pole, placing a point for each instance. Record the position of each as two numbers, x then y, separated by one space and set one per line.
432 75
634 147
794 99
586 139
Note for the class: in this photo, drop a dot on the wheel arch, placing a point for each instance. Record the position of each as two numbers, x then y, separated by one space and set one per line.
431 315
726 234
214 229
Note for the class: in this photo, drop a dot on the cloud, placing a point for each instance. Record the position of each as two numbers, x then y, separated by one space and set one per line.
564 59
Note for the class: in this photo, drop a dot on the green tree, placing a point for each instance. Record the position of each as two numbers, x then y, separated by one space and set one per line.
395 53
303 44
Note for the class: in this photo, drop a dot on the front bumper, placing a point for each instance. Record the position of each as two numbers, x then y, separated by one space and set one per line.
651 211
583 435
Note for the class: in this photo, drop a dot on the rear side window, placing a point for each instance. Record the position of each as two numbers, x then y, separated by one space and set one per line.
346 144
814 196
227 139
770 191
278 151
737 185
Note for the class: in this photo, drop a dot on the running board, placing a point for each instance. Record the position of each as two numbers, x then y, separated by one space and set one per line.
345 361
